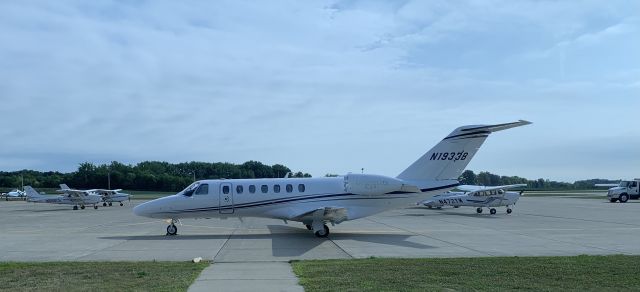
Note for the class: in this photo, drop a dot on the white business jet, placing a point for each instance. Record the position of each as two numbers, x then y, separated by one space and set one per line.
317 201
70 197
477 196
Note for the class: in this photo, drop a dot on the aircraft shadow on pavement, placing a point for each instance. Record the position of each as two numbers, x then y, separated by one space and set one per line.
50 210
287 241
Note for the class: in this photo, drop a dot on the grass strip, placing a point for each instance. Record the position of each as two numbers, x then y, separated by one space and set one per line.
577 273
99 276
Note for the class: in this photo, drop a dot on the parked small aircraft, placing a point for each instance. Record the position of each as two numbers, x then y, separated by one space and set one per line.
71 197
477 196
317 201
15 194
111 196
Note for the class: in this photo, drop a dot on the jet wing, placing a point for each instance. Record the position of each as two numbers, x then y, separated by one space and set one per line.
331 214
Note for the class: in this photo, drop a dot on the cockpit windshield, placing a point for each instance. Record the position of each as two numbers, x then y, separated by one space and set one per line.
190 189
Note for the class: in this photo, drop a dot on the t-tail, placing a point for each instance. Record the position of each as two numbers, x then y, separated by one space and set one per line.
448 159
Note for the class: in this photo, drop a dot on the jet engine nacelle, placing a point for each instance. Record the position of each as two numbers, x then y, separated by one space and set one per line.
369 184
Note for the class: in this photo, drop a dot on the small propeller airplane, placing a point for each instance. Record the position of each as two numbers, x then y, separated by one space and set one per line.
70 197
317 201
477 196
15 194
112 196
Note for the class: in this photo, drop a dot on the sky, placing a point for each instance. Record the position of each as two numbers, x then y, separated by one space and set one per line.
321 86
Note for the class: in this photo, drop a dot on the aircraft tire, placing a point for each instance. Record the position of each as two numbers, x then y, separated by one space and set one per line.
479 210
308 226
104 204
95 207
75 207
322 234
624 198
121 204
509 211
492 211
110 204
172 230
82 207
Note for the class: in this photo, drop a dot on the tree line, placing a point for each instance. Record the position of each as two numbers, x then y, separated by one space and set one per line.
485 178
147 175
164 176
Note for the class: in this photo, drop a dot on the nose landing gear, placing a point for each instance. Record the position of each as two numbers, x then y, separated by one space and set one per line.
172 229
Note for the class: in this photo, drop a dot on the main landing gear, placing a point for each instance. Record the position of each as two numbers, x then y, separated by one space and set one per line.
172 229
492 211
322 232
479 210
75 207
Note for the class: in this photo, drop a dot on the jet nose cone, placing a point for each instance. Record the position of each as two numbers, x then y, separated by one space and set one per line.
142 210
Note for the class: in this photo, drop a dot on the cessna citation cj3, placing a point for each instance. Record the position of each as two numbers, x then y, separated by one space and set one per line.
317 201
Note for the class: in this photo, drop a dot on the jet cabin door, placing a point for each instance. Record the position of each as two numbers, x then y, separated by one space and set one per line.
226 198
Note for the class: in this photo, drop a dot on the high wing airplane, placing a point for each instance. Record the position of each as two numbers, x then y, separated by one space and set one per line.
71 197
111 196
477 196
14 194
317 201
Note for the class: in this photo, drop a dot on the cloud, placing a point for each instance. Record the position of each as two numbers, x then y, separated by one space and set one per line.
325 86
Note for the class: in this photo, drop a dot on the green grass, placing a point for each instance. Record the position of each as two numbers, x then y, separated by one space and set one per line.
99 276
580 273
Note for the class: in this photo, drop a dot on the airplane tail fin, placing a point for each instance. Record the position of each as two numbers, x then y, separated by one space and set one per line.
31 193
448 159
64 187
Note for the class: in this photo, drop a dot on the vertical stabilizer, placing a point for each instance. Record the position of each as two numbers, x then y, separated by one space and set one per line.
448 159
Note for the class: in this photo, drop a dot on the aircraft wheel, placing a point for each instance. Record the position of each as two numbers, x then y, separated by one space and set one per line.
75 207
479 210
456 206
95 207
492 211
172 229
624 198
309 227
110 204
321 233
82 207
121 204
509 211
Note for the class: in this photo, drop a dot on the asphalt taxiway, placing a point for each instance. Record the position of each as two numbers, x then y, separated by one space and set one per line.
538 226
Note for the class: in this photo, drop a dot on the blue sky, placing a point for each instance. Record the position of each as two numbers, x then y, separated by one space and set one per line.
321 86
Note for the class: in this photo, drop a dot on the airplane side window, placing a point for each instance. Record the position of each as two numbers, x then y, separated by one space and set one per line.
289 188
203 189
276 188
252 189
264 189
301 188
239 189
225 190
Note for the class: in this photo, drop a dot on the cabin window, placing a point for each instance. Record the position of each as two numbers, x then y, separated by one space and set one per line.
239 189
276 188
289 188
301 188
252 189
203 189
264 189
225 190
